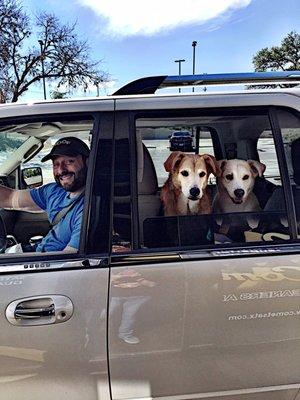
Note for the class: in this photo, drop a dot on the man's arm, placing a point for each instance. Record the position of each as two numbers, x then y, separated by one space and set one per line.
17 199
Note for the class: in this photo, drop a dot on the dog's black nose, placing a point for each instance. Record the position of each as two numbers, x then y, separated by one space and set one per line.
239 193
194 191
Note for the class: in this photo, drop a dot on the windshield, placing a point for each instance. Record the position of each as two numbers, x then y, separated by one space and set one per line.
181 133
9 142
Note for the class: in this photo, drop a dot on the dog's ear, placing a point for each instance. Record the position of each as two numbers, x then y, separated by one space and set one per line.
221 167
212 165
257 168
173 158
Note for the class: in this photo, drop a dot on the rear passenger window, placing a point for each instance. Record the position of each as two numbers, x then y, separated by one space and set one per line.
209 179
290 130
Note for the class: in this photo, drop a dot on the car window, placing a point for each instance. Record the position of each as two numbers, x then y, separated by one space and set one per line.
240 194
122 239
290 130
21 167
181 133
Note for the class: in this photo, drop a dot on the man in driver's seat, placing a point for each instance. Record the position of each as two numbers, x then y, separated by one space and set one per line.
62 200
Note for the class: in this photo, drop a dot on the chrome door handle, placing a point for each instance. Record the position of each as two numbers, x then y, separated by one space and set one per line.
39 310
29 313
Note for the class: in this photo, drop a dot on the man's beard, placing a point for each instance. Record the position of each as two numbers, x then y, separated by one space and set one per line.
77 183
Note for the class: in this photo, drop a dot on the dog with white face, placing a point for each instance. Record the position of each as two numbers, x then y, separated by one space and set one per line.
185 192
235 184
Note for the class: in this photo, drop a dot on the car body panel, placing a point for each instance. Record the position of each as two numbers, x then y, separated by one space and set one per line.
194 340
238 99
55 107
65 360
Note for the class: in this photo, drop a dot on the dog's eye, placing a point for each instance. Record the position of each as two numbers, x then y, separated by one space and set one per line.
245 177
184 173
229 177
202 174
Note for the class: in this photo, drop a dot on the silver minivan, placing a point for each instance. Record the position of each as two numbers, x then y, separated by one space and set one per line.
154 306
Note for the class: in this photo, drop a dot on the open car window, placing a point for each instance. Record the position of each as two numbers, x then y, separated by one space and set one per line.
241 208
21 168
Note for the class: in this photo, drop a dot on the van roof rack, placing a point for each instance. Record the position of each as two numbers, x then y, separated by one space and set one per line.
149 85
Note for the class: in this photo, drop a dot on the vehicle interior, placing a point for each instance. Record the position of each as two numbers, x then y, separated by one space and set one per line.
225 135
22 148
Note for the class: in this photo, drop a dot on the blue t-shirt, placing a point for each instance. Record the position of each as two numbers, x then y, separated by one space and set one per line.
52 198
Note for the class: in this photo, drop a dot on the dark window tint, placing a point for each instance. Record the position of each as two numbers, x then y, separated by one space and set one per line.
101 176
290 130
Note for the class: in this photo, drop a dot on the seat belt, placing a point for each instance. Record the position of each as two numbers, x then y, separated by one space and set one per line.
58 217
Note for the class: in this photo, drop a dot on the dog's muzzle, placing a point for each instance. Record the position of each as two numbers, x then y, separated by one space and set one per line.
194 193
239 194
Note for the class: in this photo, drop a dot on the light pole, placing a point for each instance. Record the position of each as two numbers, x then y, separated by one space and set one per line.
194 44
179 69
43 69
97 86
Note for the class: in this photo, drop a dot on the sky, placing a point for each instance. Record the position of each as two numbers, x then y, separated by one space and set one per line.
137 38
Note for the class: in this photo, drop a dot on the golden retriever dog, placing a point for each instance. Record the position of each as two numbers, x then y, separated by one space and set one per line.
235 183
185 192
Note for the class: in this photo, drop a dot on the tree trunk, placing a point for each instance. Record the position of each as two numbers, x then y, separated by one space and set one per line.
2 97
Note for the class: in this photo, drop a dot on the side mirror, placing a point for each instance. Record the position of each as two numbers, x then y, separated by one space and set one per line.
169 136
32 176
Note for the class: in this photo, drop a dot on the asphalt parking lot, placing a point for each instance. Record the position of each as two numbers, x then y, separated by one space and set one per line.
160 150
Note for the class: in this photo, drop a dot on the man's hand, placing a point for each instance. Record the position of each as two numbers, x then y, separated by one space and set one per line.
69 249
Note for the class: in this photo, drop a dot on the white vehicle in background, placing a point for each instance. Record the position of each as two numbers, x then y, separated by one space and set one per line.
155 307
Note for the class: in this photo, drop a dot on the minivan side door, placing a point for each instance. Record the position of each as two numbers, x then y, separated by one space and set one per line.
200 320
53 305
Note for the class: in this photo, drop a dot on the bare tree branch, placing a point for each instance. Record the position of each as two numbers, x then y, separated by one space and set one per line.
64 56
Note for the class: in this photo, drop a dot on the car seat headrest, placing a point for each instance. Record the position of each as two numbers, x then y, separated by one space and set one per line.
148 184
295 154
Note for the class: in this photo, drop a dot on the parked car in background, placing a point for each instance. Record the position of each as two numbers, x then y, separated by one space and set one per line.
181 140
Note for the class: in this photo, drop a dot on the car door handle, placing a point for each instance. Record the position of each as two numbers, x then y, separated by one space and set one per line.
29 313
39 310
